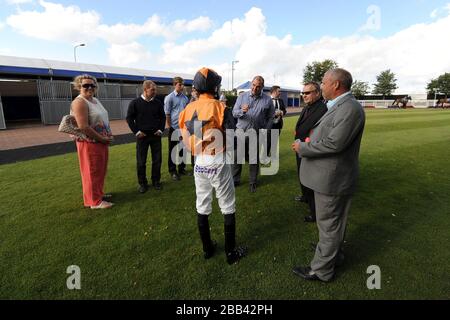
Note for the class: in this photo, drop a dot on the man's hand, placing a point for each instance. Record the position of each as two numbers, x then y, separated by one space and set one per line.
158 133
245 108
141 135
296 146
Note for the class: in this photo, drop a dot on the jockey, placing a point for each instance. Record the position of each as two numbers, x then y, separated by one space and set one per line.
203 124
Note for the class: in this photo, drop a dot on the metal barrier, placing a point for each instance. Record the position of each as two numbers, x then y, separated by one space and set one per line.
2 117
55 97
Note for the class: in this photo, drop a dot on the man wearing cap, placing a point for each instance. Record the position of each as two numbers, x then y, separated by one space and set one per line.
203 124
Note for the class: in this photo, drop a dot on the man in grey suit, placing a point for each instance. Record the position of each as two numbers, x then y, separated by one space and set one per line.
330 167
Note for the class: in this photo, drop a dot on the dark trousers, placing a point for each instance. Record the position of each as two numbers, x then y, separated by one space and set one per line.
254 168
172 166
307 192
269 140
142 146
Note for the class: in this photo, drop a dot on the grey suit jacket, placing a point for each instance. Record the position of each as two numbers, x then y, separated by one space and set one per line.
330 161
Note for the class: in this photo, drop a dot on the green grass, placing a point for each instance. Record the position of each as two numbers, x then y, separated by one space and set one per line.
147 247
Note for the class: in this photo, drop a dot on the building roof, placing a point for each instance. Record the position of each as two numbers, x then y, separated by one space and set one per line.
248 85
42 67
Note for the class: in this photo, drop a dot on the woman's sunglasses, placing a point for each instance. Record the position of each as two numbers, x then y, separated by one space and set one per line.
89 86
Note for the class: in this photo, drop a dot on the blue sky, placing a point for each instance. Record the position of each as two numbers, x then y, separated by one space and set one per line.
272 38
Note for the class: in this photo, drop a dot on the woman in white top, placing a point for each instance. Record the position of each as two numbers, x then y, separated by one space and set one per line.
92 118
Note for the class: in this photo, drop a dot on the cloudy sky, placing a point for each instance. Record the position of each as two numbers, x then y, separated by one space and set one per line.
273 38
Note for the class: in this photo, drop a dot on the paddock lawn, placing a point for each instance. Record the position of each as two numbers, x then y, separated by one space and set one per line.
147 246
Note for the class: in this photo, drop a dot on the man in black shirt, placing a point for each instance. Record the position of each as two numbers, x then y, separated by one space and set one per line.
146 118
314 110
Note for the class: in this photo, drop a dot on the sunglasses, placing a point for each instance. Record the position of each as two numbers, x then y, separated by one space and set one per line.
89 86
307 93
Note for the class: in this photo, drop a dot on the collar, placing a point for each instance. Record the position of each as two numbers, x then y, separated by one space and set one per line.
143 97
332 103
177 94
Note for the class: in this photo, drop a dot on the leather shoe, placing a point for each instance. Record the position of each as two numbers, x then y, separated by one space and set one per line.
306 273
301 199
175 177
237 183
157 185
143 188
236 255
310 219
253 187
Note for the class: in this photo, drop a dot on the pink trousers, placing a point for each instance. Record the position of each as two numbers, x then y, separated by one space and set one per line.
93 158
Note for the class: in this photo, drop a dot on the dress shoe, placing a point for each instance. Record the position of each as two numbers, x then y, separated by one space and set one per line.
175 177
307 274
157 186
237 184
107 197
301 199
212 249
185 173
253 187
236 255
143 188
310 219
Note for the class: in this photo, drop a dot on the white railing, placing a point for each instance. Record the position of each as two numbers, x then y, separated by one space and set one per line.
379 104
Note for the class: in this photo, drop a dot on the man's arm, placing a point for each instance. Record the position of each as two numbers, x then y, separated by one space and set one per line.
269 114
131 117
237 110
167 111
348 123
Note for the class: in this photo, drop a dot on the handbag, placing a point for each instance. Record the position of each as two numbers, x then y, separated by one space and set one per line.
69 125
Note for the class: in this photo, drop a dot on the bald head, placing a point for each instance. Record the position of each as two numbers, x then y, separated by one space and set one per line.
336 82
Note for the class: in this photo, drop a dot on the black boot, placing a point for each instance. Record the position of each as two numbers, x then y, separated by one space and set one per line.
233 254
209 246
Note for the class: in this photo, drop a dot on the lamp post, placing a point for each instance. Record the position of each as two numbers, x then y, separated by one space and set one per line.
75 50
233 63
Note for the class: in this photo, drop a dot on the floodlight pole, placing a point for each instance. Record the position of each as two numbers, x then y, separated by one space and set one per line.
75 50
233 63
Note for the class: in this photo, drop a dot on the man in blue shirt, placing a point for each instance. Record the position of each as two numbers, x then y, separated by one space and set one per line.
174 103
253 110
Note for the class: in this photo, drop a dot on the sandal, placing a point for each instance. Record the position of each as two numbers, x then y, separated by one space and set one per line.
103 205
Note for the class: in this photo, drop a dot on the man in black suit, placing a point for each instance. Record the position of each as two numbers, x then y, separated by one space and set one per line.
146 118
280 112
314 110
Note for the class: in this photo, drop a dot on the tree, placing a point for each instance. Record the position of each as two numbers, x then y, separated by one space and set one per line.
440 85
316 70
360 88
386 83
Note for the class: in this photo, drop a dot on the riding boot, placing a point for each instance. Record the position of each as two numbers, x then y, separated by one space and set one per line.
233 254
205 235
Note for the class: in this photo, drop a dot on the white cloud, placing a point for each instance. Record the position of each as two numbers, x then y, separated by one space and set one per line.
132 54
434 13
411 53
74 25
2 25
56 23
